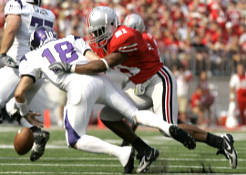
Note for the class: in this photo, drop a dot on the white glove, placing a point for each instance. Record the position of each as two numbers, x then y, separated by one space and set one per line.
11 107
8 61
60 68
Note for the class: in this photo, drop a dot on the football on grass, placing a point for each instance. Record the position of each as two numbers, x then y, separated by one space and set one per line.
23 141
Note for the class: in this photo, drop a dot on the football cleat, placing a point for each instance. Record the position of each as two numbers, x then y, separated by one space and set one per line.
228 150
182 136
147 159
130 164
40 140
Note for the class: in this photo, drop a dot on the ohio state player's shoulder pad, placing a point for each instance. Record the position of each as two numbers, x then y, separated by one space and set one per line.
124 40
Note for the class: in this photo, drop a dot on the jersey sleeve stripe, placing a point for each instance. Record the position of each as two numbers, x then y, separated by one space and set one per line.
133 45
129 50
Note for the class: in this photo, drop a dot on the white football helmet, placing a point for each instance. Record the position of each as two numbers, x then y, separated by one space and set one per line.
102 22
134 21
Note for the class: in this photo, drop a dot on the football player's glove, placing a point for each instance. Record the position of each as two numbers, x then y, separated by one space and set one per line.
8 61
60 68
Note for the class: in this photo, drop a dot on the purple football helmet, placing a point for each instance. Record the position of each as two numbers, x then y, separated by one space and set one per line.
41 36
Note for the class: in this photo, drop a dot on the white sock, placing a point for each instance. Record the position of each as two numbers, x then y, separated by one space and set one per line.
148 118
95 145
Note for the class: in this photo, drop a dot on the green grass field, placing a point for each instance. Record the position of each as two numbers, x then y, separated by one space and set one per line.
174 158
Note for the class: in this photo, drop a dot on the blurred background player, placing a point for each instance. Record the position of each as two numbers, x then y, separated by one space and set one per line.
202 100
238 91
183 77
21 19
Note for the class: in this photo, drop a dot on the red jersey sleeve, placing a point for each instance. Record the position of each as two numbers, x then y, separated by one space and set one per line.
127 41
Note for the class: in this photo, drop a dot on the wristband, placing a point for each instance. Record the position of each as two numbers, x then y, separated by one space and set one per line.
106 63
22 107
73 68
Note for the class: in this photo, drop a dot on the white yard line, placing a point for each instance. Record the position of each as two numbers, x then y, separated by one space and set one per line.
104 165
111 159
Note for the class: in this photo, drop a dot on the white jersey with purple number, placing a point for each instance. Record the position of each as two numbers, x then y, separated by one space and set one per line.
32 16
83 91
70 49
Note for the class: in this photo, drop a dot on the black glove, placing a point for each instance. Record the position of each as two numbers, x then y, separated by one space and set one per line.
8 61
60 68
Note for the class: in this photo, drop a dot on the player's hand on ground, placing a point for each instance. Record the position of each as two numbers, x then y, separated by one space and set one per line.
60 68
30 117
8 61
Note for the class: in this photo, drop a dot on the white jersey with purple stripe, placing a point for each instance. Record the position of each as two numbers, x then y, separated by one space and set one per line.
70 49
32 16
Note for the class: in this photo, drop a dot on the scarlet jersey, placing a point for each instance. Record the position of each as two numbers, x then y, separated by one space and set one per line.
152 44
142 62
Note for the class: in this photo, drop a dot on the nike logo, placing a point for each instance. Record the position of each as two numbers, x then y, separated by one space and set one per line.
149 157
228 146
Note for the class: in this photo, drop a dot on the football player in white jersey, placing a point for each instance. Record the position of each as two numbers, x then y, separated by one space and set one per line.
83 91
21 19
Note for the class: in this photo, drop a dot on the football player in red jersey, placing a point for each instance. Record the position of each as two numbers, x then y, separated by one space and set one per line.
125 49
157 102
136 22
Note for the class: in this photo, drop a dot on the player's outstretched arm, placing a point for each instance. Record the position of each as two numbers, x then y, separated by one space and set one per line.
92 67
24 85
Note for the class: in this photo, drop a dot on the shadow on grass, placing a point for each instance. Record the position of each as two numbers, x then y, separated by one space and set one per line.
161 167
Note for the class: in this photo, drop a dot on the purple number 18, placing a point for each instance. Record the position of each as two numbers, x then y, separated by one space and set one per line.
64 49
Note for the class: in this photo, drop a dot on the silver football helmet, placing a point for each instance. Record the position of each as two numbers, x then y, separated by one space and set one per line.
36 2
134 21
102 22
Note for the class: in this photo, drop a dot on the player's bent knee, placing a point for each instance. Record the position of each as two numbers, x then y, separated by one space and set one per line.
109 114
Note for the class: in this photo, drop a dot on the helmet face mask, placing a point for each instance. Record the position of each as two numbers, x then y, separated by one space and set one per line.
134 21
41 36
102 22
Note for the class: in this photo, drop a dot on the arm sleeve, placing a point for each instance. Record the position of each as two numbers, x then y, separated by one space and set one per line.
124 42
13 7
26 67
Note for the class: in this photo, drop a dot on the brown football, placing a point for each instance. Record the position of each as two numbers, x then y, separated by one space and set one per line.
23 141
